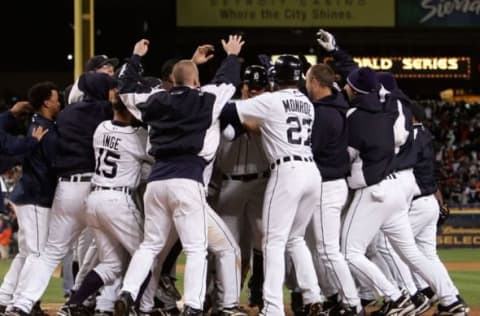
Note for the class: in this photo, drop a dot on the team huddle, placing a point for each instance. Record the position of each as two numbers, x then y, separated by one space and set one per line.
296 182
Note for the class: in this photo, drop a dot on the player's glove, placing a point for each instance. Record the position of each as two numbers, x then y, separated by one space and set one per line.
326 40
444 214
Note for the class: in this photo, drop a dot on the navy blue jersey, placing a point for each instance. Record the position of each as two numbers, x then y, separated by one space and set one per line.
370 141
38 181
184 129
424 169
77 123
330 137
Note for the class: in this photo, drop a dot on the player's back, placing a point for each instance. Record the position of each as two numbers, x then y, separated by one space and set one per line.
120 151
285 118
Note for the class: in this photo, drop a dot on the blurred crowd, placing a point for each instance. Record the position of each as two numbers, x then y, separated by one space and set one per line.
456 128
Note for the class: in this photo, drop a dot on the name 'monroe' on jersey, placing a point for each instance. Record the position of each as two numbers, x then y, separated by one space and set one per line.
294 105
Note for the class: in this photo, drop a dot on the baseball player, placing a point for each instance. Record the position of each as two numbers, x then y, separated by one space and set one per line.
33 194
329 143
285 120
244 170
75 164
120 151
184 133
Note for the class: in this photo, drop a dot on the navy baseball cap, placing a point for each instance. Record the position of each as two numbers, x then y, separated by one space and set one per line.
387 80
363 80
99 61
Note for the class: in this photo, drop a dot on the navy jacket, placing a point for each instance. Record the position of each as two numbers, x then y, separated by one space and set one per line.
330 137
38 181
77 123
11 145
424 169
370 140
184 129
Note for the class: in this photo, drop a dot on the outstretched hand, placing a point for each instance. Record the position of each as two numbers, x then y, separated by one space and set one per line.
201 54
234 44
141 47
20 108
326 40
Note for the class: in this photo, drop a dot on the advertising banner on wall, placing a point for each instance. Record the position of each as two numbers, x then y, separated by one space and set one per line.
286 13
461 230
438 13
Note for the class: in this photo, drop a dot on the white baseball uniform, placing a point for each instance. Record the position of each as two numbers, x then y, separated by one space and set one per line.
285 118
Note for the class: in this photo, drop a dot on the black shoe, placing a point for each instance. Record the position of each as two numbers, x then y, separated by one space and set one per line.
73 310
3 308
172 312
190 311
343 310
316 309
401 307
16 312
463 302
432 297
331 302
123 304
255 298
421 302
455 309
233 311
37 310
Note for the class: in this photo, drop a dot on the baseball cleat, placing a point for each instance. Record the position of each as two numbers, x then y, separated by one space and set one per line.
368 302
456 309
123 305
16 312
401 307
316 309
73 310
102 313
190 311
421 302
233 311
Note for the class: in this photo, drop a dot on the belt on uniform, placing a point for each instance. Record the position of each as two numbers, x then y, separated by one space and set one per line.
76 178
247 177
290 158
119 189
391 176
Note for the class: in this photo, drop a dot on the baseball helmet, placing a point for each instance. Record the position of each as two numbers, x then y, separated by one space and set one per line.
255 77
287 69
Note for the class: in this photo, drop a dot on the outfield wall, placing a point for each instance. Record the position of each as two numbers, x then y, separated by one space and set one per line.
461 230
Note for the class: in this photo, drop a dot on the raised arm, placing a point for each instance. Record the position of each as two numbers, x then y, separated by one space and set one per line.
132 90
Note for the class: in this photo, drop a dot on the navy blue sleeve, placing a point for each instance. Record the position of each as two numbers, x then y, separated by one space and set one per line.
229 119
7 121
319 135
49 147
229 71
11 145
344 63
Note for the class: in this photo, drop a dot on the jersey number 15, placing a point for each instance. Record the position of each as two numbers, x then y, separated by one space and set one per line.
107 163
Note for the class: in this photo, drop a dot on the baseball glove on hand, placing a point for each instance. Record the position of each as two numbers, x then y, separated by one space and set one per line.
326 40
444 213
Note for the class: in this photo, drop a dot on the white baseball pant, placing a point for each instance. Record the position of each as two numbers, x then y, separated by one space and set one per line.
67 221
32 236
173 204
293 193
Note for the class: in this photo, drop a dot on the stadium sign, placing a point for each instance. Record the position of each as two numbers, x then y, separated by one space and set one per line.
420 67
285 13
434 13
462 229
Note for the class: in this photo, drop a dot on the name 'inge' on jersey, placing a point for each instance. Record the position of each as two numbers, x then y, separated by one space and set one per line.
119 153
285 118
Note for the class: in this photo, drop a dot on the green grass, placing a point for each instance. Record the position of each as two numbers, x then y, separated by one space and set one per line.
468 282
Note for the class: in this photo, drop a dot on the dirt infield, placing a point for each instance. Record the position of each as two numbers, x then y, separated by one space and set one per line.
463 266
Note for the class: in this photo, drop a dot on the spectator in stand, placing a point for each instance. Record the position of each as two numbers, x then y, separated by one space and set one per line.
5 238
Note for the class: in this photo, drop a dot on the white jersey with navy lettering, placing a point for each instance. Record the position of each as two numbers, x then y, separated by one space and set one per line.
119 153
285 118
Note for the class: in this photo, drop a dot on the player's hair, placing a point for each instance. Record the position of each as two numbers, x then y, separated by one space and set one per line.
40 92
324 74
184 72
